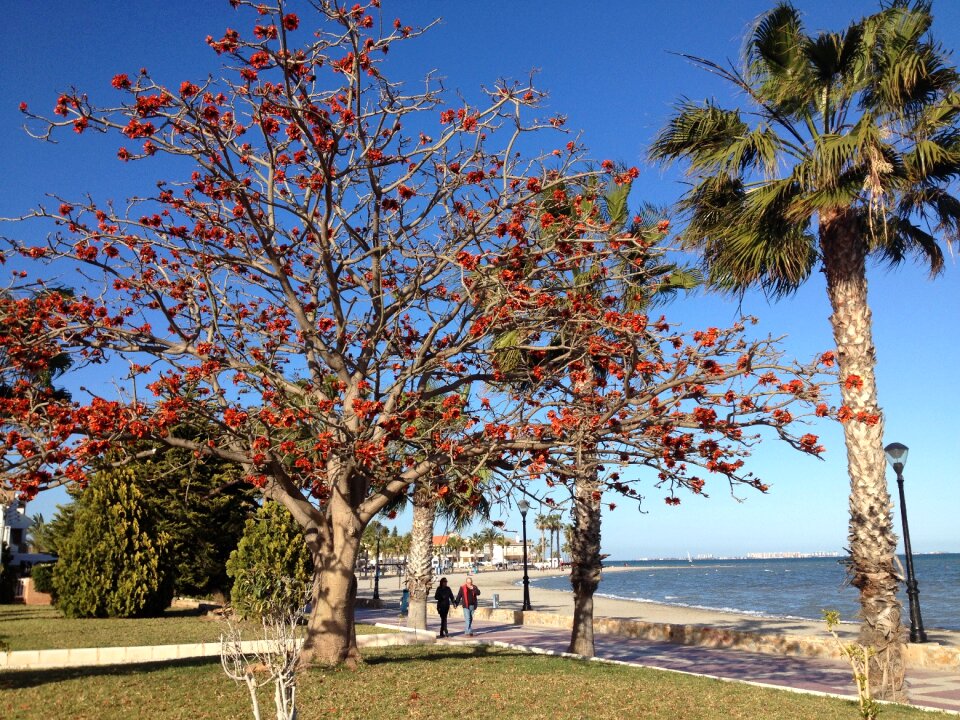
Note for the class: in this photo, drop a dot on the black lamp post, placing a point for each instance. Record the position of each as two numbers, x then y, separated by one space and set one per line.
523 506
376 570
897 457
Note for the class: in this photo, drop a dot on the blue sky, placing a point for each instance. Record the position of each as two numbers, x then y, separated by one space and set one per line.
608 67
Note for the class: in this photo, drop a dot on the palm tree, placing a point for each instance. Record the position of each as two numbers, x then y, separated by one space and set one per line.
555 525
458 511
38 534
504 542
456 544
488 537
846 151
568 533
540 523
476 543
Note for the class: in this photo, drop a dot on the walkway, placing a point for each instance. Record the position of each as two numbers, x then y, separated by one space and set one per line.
927 688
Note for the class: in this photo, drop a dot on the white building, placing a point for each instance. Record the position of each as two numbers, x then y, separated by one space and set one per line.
14 524
14 527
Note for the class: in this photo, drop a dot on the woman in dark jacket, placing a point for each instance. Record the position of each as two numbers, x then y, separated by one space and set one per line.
444 597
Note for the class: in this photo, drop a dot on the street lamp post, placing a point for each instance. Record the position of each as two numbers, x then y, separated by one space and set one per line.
376 570
523 506
897 457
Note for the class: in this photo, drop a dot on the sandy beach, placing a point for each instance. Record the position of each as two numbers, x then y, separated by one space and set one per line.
506 584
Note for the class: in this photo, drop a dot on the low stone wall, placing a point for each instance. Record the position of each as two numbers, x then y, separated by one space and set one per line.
86 657
926 655
918 655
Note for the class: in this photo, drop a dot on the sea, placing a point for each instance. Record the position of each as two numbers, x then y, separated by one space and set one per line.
791 588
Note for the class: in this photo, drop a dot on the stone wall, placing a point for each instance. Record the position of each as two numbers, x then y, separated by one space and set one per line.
926 655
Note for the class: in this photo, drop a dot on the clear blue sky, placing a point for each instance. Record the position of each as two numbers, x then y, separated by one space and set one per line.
608 67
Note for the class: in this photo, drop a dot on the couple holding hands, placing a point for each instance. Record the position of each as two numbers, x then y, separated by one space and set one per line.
467 597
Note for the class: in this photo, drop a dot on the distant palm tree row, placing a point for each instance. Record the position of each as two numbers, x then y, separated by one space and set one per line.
395 547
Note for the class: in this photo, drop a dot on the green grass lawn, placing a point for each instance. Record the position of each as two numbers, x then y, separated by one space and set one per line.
417 682
36 627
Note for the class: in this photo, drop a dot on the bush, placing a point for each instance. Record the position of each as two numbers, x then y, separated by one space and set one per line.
42 576
271 564
8 575
111 564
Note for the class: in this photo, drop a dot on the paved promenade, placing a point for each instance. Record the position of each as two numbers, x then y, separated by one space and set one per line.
927 688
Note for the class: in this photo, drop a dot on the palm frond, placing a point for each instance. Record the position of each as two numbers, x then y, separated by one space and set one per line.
615 202
776 46
903 239
700 134
506 350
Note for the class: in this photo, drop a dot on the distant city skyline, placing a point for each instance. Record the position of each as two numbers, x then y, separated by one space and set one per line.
612 74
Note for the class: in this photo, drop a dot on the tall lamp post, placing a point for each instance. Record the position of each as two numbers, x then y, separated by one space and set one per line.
376 569
523 506
897 457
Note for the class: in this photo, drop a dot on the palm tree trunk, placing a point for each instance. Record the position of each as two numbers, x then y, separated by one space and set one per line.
585 553
871 534
420 563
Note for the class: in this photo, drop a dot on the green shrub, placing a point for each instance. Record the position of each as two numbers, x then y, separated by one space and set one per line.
8 575
42 576
111 564
271 564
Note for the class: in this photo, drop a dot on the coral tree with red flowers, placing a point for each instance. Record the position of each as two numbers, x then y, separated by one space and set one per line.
328 290
609 384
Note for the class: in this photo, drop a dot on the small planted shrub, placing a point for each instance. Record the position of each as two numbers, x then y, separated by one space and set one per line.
271 557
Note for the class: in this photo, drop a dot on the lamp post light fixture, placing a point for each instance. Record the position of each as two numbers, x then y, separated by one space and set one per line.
523 506
897 457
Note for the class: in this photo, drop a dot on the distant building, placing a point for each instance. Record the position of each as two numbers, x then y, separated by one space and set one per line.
14 527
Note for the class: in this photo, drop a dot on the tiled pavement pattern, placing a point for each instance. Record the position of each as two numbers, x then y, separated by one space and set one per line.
927 688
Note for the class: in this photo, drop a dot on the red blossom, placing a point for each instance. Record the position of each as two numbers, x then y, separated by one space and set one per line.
188 89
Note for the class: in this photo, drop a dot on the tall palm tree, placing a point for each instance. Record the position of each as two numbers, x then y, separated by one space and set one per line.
846 150
504 542
456 544
428 503
488 537
540 523
476 543
555 524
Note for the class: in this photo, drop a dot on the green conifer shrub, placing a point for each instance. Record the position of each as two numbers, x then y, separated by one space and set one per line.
111 564
42 576
271 564
8 575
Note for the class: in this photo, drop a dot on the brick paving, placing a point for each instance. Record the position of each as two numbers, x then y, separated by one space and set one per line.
927 688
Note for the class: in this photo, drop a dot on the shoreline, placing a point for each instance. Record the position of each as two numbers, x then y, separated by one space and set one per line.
507 585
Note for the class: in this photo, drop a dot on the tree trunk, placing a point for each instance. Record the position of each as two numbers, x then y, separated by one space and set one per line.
871 534
331 637
585 553
420 564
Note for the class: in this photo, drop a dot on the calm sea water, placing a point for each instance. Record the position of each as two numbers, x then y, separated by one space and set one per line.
789 587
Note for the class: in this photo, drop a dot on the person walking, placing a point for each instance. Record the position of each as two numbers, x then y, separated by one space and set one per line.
444 598
467 597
